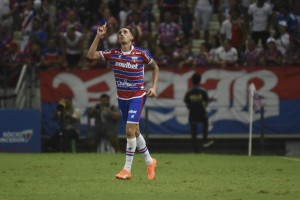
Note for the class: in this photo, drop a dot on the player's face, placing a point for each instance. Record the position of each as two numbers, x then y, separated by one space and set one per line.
125 36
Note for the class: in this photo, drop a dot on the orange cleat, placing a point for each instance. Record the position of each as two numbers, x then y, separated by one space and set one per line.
124 174
151 169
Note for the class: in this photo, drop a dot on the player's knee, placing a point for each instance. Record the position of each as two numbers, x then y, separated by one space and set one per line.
130 131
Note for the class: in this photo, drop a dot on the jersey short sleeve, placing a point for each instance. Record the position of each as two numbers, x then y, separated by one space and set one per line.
147 57
105 55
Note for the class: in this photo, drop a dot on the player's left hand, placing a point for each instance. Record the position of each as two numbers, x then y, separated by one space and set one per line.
151 93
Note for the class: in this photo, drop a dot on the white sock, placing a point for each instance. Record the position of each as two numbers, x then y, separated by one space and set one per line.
141 146
130 149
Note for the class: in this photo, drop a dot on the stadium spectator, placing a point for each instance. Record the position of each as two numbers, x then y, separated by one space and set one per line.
292 56
14 13
203 58
251 54
295 7
111 38
172 6
187 20
260 14
183 56
27 17
39 34
223 10
106 126
196 100
141 30
72 48
292 24
12 62
203 15
5 39
109 18
68 118
169 33
70 21
226 55
33 53
283 41
125 9
233 30
161 58
270 56
245 4
5 18
214 43
135 8
51 56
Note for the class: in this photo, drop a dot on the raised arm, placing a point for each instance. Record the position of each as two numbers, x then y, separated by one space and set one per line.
92 53
155 74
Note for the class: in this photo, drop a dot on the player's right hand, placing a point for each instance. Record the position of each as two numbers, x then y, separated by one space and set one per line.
101 30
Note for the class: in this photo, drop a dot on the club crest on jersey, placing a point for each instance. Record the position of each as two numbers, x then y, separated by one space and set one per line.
134 58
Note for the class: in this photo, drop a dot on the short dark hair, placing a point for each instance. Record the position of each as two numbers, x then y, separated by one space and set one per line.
127 27
104 96
196 78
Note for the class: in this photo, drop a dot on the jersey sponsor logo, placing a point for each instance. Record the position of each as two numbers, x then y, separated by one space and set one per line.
127 65
125 84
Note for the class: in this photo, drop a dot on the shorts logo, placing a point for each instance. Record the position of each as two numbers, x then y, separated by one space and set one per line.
132 116
132 111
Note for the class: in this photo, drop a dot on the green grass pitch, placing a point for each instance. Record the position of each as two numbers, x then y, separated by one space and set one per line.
178 176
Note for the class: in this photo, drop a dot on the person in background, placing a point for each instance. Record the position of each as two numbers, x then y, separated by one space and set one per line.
68 118
226 55
292 56
203 15
183 56
196 100
270 56
106 124
260 13
251 54
12 63
27 17
214 43
283 41
72 47
169 33
161 58
51 56
70 21
5 39
203 59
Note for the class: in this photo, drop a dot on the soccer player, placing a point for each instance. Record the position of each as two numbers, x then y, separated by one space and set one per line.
127 63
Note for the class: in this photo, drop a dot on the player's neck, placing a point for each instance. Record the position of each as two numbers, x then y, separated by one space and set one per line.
126 47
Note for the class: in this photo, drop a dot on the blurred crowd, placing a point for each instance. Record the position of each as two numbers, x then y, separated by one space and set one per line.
55 34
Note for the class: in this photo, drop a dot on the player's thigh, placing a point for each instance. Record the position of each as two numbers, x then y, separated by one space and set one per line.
135 109
123 107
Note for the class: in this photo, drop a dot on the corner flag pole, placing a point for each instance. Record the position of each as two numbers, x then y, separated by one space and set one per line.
251 92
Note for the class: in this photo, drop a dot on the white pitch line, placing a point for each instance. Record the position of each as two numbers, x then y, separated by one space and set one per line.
293 159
